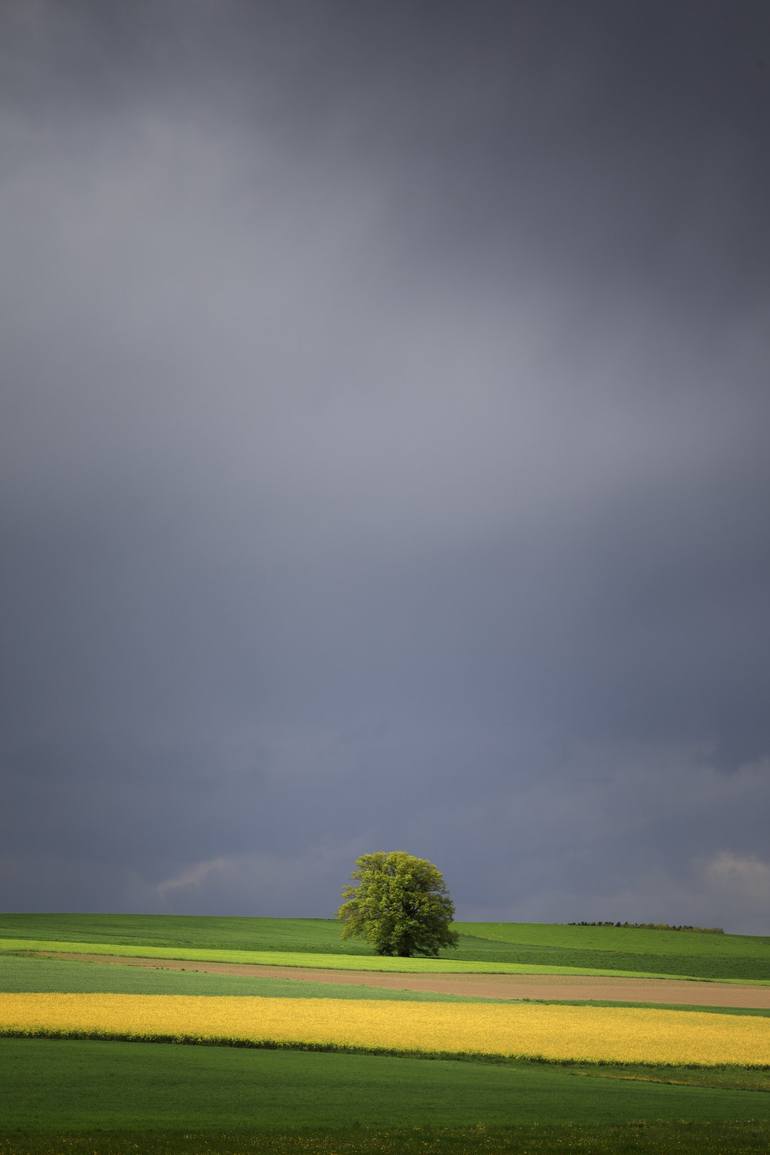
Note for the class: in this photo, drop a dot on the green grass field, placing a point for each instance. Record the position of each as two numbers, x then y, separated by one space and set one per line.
645 1138
326 961
626 948
534 947
19 973
74 1096
78 1096
84 1085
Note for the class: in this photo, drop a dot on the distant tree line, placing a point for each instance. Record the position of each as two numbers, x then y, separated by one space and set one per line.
654 926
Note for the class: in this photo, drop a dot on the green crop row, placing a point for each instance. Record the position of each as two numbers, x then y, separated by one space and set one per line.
484 947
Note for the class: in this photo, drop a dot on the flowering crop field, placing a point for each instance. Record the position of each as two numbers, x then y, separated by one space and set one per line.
556 1032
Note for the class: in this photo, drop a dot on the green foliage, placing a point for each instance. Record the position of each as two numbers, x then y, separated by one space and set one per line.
400 905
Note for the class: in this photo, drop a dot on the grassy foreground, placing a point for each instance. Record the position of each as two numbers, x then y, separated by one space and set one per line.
564 1139
532 947
76 1086
92 1098
114 1098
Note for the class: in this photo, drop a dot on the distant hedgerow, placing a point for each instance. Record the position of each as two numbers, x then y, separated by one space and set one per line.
653 926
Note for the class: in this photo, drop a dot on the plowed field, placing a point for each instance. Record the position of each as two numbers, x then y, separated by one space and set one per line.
577 988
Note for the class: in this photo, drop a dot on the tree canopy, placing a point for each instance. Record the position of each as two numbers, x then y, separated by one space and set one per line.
399 903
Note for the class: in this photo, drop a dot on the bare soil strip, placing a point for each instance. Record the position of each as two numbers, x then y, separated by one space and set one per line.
578 988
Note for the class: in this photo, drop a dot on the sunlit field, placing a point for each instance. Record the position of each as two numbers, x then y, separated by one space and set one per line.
91 1060
494 946
598 1034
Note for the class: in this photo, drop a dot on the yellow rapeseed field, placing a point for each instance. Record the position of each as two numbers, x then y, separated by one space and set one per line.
555 1032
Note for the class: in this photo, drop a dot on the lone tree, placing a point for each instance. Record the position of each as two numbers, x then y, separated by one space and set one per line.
401 905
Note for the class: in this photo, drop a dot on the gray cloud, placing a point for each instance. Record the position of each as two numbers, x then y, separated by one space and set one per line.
384 455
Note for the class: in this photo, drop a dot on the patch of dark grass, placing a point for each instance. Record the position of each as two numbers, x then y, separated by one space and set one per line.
629 1139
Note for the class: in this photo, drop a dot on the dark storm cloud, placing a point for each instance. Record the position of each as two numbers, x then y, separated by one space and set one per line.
384 455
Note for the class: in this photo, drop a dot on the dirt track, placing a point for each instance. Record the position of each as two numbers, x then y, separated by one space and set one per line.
553 987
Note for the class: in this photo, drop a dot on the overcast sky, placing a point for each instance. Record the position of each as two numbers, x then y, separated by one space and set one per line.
384 454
